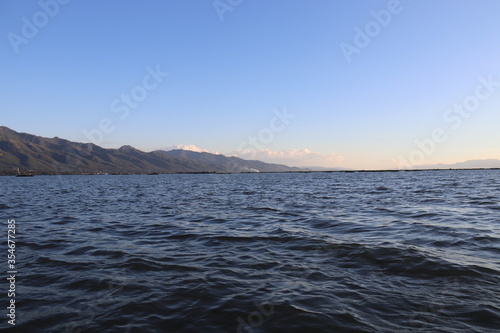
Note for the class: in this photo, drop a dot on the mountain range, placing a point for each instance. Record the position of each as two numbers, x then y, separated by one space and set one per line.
471 164
25 152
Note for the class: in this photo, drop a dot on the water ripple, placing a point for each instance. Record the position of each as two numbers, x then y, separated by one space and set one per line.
322 252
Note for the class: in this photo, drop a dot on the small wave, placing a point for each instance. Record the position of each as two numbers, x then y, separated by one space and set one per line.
4 206
96 229
403 261
382 189
45 245
65 220
141 265
80 250
109 253
249 192
487 317
485 240
263 209
419 215
86 284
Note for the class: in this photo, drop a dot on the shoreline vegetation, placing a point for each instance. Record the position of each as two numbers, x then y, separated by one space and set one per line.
45 173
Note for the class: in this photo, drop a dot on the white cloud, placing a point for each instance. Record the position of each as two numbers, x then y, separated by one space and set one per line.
186 147
292 157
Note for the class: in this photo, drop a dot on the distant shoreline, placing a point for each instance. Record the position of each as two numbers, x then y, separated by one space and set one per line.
44 173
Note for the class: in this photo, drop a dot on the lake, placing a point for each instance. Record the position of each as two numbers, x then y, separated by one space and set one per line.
293 252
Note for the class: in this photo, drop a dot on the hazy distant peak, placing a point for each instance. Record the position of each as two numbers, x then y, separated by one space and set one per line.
470 164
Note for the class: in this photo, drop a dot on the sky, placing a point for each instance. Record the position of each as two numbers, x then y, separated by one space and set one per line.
352 84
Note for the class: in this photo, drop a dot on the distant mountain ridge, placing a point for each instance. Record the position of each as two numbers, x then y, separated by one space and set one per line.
471 164
233 163
59 156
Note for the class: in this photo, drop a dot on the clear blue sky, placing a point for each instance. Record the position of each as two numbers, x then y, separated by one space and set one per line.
228 78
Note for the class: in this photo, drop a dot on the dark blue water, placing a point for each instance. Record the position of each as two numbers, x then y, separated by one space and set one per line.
318 252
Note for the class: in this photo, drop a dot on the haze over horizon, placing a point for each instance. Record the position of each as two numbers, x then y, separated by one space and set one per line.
375 85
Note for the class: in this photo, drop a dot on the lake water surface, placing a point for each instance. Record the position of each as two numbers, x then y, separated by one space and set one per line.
306 252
